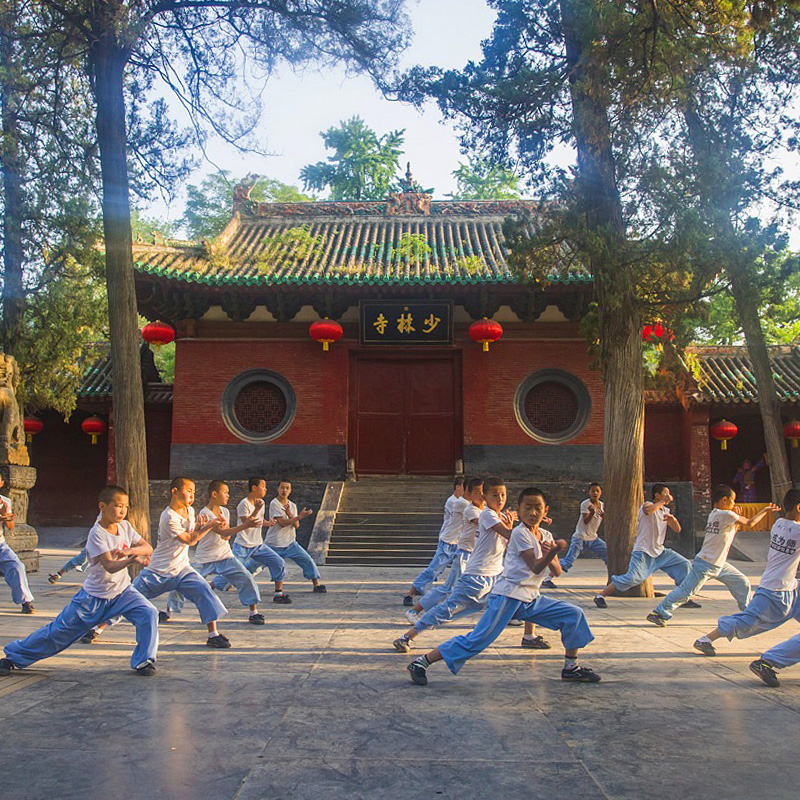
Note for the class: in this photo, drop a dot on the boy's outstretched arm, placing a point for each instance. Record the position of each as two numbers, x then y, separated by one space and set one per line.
550 551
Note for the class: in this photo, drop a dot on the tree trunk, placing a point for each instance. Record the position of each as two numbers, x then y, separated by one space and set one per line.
108 61
620 338
747 307
13 201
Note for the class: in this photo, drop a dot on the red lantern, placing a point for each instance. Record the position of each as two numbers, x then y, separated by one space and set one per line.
158 333
656 333
791 430
94 427
326 331
32 426
485 331
722 431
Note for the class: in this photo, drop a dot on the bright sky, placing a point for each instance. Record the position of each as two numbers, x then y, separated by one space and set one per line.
297 107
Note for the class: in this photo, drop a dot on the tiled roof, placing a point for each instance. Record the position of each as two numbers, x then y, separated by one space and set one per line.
97 381
726 374
344 243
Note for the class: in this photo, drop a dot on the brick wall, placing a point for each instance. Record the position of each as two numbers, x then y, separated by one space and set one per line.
666 456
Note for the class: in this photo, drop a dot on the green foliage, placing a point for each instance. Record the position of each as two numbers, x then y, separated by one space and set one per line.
165 361
480 179
363 165
209 204
411 247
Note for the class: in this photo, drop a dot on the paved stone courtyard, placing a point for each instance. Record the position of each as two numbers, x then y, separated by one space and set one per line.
317 705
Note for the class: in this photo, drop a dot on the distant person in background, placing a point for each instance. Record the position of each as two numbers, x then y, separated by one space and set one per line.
745 479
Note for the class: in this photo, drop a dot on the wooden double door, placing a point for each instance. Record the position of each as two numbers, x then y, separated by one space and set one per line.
405 414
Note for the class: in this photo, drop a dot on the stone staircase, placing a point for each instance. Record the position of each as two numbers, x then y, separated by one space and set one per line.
388 522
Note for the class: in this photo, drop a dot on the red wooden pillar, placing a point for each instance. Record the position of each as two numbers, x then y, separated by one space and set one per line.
111 458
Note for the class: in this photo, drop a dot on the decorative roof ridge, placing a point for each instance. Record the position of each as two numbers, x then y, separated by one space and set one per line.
740 350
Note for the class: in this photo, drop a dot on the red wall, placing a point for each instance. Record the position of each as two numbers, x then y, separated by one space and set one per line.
666 455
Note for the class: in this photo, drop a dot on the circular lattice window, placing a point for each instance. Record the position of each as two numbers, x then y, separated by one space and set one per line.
552 406
258 405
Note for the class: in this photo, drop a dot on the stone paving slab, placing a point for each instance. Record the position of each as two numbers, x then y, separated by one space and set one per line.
317 704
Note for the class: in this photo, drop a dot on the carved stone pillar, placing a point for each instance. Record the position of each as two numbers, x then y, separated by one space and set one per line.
23 539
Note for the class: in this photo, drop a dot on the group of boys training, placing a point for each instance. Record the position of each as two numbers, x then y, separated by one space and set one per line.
112 546
499 559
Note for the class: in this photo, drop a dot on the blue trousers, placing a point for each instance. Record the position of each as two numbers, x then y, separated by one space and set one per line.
469 596
500 610
436 594
787 653
700 572
232 571
254 560
642 566
81 614
300 557
442 558
577 546
16 577
189 583
78 562
767 610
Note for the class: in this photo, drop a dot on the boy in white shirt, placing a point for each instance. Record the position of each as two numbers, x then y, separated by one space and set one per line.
590 518
112 546
468 507
649 553
282 538
12 568
169 565
774 602
711 562
213 554
473 588
249 546
445 548
531 551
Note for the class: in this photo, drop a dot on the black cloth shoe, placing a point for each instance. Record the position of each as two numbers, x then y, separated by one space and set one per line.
706 648
418 673
320 589
6 666
580 675
256 619
54 578
163 616
282 599
657 619
548 584
691 604
537 643
28 608
219 641
147 669
600 601
765 671
408 600
402 645
90 637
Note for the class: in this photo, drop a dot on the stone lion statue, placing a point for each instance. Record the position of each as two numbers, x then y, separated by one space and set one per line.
12 436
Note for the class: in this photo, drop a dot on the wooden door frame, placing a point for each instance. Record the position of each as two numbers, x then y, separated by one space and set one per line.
358 354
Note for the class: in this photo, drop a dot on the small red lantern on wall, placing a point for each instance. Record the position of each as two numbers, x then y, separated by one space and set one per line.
32 426
94 427
485 331
791 430
327 331
158 333
722 431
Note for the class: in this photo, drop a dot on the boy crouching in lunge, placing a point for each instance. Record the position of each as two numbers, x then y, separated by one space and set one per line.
711 562
169 565
214 556
12 569
774 602
531 551
112 546
649 553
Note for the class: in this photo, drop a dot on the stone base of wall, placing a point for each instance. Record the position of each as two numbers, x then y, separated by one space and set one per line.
23 540
538 464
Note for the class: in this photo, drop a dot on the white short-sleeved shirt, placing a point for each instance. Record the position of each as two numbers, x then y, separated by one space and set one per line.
780 574
6 500
517 580
276 535
487 556
212 547
171 555
469 531
459 507
451 527
588 531
652 531
99 581
720 530
249 537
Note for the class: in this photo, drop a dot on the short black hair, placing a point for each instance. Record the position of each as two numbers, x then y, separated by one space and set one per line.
108 493
459 481
473 483
531 491
491 483
215 486
720 492
658 488
284 480
178 483
791 500
595 483
253 482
